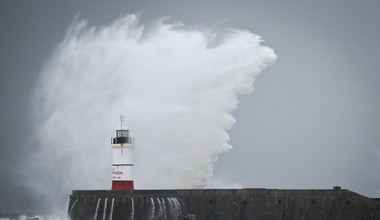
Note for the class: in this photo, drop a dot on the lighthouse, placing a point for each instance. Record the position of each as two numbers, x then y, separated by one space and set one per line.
122 159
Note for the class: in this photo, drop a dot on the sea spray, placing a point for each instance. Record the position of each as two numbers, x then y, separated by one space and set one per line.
160 208
132 209
72 206
164 208
111 211
153 212
176 87
105 209
96 210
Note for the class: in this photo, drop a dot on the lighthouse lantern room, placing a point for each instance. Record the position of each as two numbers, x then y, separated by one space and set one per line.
122 159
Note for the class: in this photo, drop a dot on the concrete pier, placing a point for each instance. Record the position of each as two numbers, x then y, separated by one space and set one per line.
223 204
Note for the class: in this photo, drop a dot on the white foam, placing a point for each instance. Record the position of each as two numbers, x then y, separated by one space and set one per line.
176 90
97 210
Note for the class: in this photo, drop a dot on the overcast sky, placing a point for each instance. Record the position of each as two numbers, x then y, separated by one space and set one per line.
313 120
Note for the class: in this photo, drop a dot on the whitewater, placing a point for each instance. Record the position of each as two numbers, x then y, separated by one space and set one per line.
177 86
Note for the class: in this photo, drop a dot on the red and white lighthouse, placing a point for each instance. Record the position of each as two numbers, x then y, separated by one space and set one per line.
122 159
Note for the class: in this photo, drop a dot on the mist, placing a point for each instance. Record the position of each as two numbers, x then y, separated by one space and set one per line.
177 87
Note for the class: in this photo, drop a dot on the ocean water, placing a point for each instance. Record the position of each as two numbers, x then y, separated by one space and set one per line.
16 216
21 217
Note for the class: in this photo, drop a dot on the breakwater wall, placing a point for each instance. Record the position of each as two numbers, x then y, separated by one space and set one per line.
223 204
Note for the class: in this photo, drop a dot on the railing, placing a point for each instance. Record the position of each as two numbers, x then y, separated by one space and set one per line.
122 140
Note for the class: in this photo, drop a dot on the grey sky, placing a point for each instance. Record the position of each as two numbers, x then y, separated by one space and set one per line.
312 122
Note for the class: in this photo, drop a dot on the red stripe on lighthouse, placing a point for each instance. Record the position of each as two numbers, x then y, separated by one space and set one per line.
122 185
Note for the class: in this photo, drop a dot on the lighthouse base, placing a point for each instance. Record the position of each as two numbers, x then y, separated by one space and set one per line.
122 185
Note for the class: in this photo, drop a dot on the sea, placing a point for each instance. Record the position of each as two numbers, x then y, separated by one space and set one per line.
21 217
27 217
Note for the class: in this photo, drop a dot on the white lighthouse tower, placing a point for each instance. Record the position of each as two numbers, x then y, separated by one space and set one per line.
122 159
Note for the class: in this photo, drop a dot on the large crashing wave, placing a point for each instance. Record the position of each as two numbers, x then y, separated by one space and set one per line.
176 87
